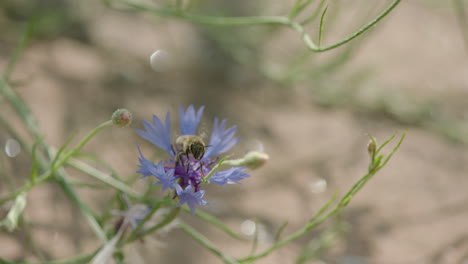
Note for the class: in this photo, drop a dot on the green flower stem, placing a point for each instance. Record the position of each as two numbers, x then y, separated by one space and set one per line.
32 241
20 107
75 260
103 177
262 20
19 49
68 189
322 19
205 243
80 145
47 174
314 14
10 130
360 31
297 8
217 223
179 5
317 220
206 179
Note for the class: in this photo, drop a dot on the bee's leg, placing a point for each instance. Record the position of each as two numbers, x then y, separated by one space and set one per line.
201 168
188 161
178 158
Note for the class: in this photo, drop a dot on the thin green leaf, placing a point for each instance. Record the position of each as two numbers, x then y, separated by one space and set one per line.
280 231
385 143
20 48
394 149
206 243
297 8
61 150
85 210
255 240
35 165
315 14
103 177
217 223
323 209
322 18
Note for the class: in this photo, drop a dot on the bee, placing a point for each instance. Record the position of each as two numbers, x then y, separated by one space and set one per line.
190 145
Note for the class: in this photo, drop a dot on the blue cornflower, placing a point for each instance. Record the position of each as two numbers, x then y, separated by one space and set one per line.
185 173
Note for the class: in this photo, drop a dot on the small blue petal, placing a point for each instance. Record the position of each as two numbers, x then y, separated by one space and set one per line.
146 167
190 197
230 176
165 178
158 133
189 120
221 140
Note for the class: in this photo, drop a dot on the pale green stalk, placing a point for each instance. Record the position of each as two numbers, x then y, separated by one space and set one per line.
262 20
317 219
206 243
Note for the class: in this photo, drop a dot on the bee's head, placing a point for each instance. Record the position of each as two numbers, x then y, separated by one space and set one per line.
197 149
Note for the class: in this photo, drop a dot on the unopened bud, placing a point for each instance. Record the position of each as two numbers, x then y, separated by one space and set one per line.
371 146
122 118
254 159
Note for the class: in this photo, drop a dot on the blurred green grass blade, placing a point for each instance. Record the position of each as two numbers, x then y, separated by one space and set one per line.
205 243
394 149
323 209
20 107
103 177
298 7
212 220
377 151
280 231
315 14
85 210
61 150
20 48
74 260
106 166
35 165
11 220
253 249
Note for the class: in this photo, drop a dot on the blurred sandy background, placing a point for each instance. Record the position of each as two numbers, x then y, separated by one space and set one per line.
409 72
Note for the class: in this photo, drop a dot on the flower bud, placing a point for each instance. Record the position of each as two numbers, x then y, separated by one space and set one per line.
371 146
122 118
254 159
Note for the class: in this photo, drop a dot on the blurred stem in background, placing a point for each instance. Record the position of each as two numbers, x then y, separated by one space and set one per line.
264 20
459 7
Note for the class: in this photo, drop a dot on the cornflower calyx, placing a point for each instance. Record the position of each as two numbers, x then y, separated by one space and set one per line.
191 160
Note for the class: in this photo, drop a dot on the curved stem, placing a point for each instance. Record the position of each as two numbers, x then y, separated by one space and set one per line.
262 20
362 30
